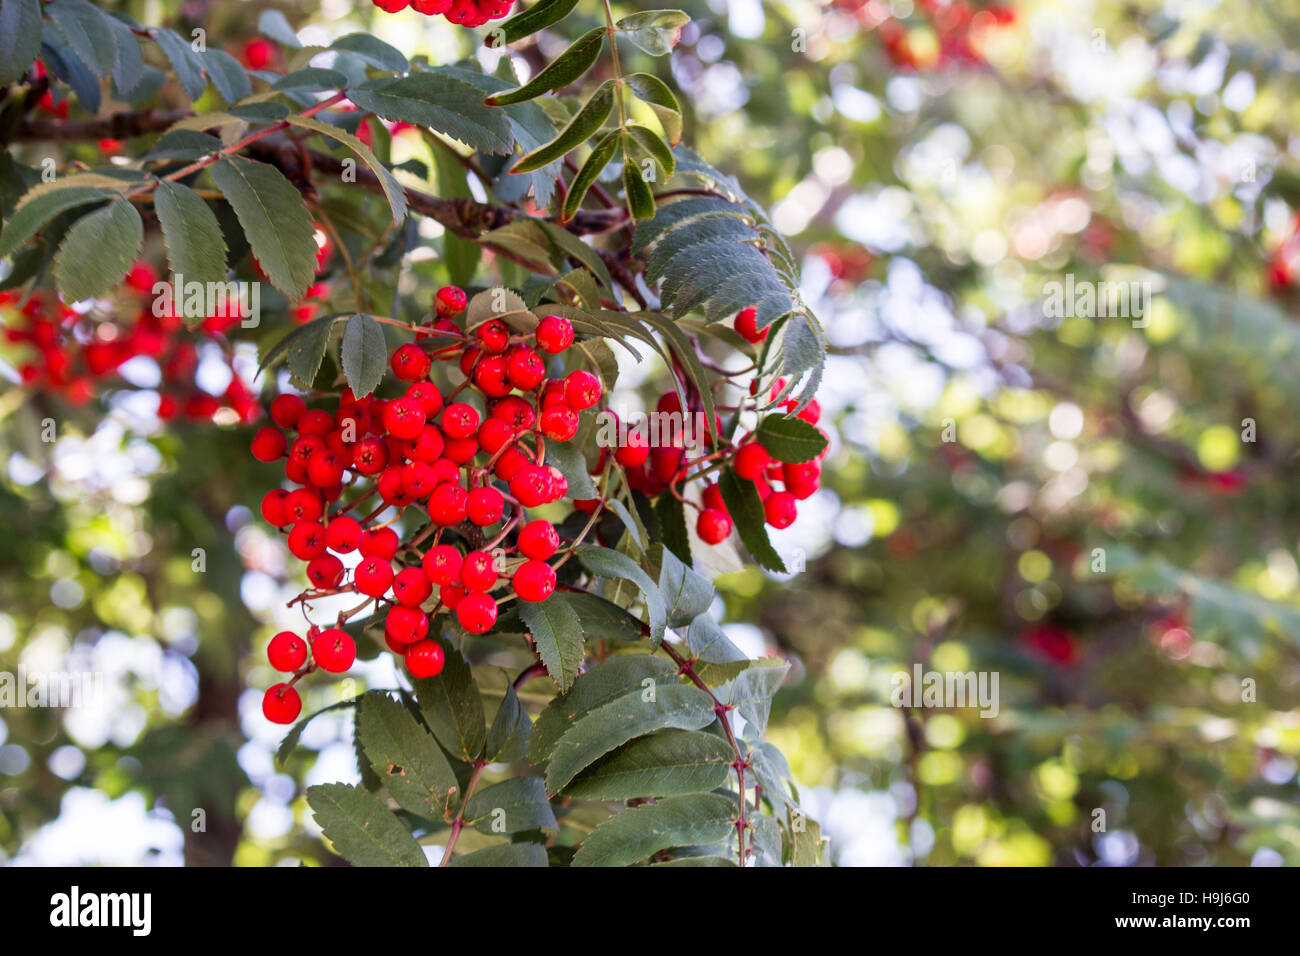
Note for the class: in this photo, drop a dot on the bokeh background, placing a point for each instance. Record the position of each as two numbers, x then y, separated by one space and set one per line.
936 164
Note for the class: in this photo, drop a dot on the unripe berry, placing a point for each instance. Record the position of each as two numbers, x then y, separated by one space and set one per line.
534 581
477 613
406 625
287 409
325 571
780 509
307 540
411 363
554 334
442 564
479 571
538 540
581 389
459 420
411 587
751 461
268 444
281 704
287 652
747 325
403 418
484 506
373 576
334 650
424 659
712 526
449 300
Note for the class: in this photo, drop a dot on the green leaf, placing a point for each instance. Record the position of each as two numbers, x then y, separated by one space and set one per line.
507 738
364 354
441 102
511 806
654 92
98 251
184 60
273 24
803 351
196 248
806 845
361 829
393 190
571 245
227 75
20 37
665 764
558 634
537 17
585 124
710 644
654 31
686 593
568 457
674 213
274 218
186 144
452 706
405 757
790 439
607 563
751 691
310 80
647 141
604 683
672 518
462 255
374 51
634 714
295 732
746 510
706 860
88 32
509 854
41 204
628 837
304 347
601 155
563 70
128 65
640 198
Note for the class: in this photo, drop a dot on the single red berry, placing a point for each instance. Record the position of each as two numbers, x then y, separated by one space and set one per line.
403 418
812 412
538 540
334 650
419 478
459 420
307 540
449 300
515 411
373 576
391 6
484 506
406 625
411 587
780 509
469 359
634 452
269 444
531 485
751 461
287 652
493 434
479 571
325 469
447 471
343 534
428 396
370 456
712 498
461 450
552 394
379 543
510 463
315 421
448 504
534 581
287 409
493 336
477 613
491 377
451 595
424 659
554 334
747 325
411 363
712 526
303 505
442 564
559 422
273 507
664 462
325 571
581 389
525 368
281 704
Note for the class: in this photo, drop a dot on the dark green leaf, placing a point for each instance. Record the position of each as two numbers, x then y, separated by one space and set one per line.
647 141
746 509
511 806
41 204
452 706
88 32
557 633
664 764
405 757
654 92
606 563
633 835
312 79
640 198
509 854
563 70
462 255
304 346
790 439
295 732
186 144
20 37
196 249
373 51
393 190
654 31
364 354
361 829
273 24
539 16
601 155
672 518
441 102
98 250
568 457
185 61
507 738
686 593
585 124
227 75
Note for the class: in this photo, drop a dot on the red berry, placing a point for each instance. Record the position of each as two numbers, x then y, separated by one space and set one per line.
538 540
534 581
303 505
516 412
634 451
525 368
268 444
491 378
307 540
406 625
379 543
451 595
373 576
287 409
449 300
315 421
780 509
559 422
477 613
751 461
747 325
812 412
554 334
510 463
403 418
712 497
493 336
370 456
493 434
459 420
442 564
419 478
581 389
273 510
712 526
411 587
334 650
325 469
479 572
281 704
287 652
484 506
428 396
424 659
448 504
391 6
325 571
343 534
461 450
411 363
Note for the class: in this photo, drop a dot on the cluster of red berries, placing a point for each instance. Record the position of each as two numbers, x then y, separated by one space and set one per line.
466 13
938 34
74 354
473 459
